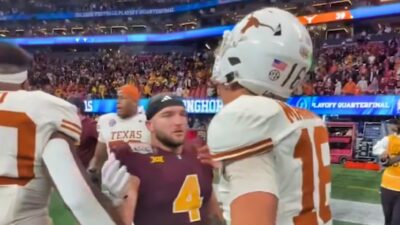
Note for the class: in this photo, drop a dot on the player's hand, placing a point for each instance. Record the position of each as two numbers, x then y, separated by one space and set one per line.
203 154
384 156
94 175
384 161
115 180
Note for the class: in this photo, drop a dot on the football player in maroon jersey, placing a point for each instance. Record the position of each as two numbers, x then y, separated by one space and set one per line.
89 134
171 186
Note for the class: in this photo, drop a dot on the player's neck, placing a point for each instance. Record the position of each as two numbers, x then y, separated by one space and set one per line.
163 147
10 87
234 94
128 117
233 97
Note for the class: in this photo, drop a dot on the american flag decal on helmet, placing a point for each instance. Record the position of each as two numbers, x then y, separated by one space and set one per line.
279 65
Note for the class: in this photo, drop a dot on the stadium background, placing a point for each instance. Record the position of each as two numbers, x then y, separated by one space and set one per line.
88 48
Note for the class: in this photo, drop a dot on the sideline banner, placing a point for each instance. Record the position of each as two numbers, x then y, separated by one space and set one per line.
197 106
378 105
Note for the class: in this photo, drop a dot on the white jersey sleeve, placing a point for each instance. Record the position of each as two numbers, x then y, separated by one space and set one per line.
257 172
243 127
63 115
381 146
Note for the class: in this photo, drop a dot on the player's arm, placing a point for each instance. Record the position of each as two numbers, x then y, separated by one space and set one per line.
253 194
380 150
100 154
214 211
85 201
248 159
99 157
125 197
127 209
256 202
92 132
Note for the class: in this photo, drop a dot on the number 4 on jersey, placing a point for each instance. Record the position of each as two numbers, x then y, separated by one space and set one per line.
189 198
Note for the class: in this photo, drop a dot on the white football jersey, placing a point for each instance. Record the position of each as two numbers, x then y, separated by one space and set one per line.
112 128
27 120
275 148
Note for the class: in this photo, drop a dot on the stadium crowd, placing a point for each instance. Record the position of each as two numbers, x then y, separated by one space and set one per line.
364 68
99 75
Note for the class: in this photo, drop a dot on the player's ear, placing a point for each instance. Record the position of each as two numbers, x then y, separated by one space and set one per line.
25 85
133 103
149 126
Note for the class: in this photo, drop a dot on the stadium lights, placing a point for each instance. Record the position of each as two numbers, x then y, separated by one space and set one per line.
125 38
354 14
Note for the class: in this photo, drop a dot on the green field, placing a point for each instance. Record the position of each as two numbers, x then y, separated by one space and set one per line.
343 223
59 213
354 185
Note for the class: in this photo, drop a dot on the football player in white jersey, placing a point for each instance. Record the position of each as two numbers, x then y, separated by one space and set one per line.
37 133
275 157
127 125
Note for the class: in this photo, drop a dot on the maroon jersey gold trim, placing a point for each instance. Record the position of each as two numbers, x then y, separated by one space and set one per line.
174 189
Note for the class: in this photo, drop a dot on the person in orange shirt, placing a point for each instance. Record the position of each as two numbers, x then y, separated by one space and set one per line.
350 87
389 149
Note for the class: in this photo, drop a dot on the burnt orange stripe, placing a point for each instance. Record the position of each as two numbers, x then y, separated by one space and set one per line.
263 142
72 124
71 129
17 181
3 96
266 147
245 154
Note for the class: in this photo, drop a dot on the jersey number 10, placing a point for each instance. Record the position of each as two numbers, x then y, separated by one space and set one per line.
25 146
308 214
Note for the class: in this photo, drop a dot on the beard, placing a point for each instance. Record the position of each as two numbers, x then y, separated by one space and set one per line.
168 141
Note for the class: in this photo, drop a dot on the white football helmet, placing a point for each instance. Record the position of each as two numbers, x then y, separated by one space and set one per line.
268 51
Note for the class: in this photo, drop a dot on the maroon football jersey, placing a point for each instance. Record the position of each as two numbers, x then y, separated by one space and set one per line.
88 141
174 190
